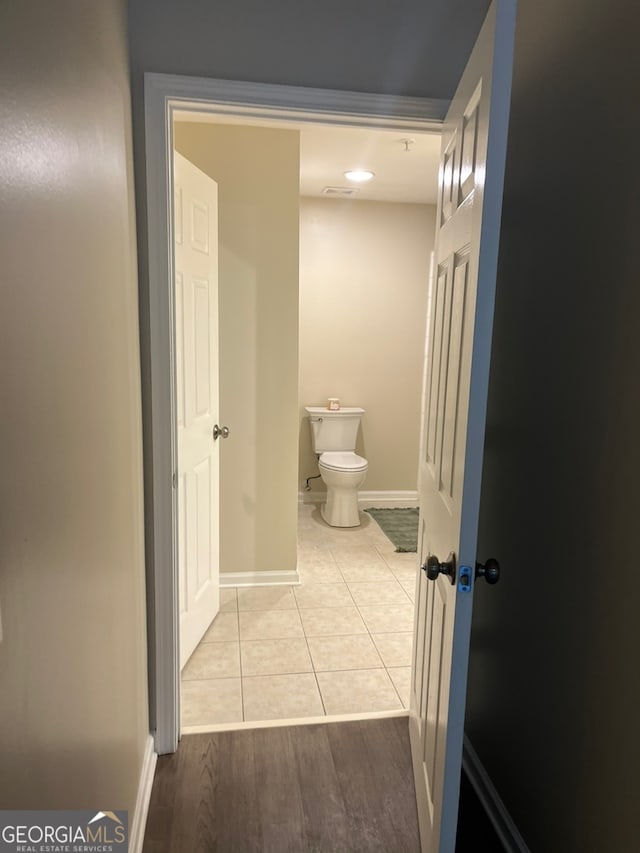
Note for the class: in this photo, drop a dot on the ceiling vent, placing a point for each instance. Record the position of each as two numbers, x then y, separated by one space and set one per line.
344 192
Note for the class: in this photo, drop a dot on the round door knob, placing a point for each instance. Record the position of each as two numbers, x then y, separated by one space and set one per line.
433 567
490 571
220 432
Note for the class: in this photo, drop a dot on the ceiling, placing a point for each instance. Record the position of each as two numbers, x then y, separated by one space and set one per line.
327 151
400 175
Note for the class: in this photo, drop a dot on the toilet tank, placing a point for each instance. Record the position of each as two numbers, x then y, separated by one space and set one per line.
334 430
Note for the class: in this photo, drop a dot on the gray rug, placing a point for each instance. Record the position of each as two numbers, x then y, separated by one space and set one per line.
399 525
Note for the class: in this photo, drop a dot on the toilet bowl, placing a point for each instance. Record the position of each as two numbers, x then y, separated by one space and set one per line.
333 434
343 473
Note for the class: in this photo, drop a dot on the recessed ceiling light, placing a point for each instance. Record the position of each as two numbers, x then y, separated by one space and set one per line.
359 175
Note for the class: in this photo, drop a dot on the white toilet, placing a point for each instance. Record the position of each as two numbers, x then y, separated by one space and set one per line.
333 434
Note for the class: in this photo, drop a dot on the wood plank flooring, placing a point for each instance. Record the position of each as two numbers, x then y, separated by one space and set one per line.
331 788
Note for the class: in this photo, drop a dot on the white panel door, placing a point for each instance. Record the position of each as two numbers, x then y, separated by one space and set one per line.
196 348
454 409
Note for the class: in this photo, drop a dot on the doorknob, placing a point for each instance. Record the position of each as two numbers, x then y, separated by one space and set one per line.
220 432
490 571
433 567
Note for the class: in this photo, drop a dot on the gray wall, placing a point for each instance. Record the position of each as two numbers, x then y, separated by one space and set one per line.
553 697
73 698
404 47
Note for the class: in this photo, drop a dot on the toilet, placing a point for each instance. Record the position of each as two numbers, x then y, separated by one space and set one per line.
333 435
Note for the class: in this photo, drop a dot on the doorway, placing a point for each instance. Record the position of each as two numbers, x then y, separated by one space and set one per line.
165 95
341 642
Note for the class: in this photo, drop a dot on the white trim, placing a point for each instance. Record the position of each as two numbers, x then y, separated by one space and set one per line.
384 499
304 721
269 578
164 652
145 784
388 499
491 802
296 103
164 94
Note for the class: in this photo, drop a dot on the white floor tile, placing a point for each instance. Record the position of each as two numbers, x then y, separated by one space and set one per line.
275 657
409 587
401 677
403 564
355 555
356 651
213 660
367 573
357 691
406 574
205 703
272 697
323 595
228 600
332 621
266 598
395 649
321 573
224 629
270 625
381 592
388 618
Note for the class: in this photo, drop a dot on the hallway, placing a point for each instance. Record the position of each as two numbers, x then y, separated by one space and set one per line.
324 788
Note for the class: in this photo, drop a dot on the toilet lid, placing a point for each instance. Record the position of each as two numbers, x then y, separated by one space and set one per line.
341 460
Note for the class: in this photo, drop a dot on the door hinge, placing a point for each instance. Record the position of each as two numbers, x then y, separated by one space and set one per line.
174 480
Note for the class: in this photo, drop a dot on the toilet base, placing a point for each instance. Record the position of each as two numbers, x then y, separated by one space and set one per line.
341 508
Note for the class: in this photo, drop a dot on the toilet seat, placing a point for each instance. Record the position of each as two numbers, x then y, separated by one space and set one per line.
341 460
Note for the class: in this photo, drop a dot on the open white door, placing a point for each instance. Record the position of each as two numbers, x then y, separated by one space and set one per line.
455 398
196 349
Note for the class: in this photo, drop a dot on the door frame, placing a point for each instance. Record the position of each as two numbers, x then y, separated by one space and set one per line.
164 94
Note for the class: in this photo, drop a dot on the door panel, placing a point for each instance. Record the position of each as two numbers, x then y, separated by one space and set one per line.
196 341
454 406
202 347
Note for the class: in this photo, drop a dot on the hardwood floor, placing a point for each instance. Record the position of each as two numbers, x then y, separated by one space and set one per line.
331 788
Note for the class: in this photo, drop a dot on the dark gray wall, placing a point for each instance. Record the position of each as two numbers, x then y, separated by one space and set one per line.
553 699
408 47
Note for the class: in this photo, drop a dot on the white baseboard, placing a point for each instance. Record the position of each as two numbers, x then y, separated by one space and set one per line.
389 499
259 578
384 499
312 497
145 784
491 802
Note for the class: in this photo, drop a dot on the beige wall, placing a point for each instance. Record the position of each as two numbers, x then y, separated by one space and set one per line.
73 695
363 293
257 171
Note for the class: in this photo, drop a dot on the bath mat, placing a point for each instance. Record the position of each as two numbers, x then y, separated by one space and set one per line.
399 525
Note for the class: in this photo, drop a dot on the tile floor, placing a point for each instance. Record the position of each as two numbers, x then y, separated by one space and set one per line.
339 643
